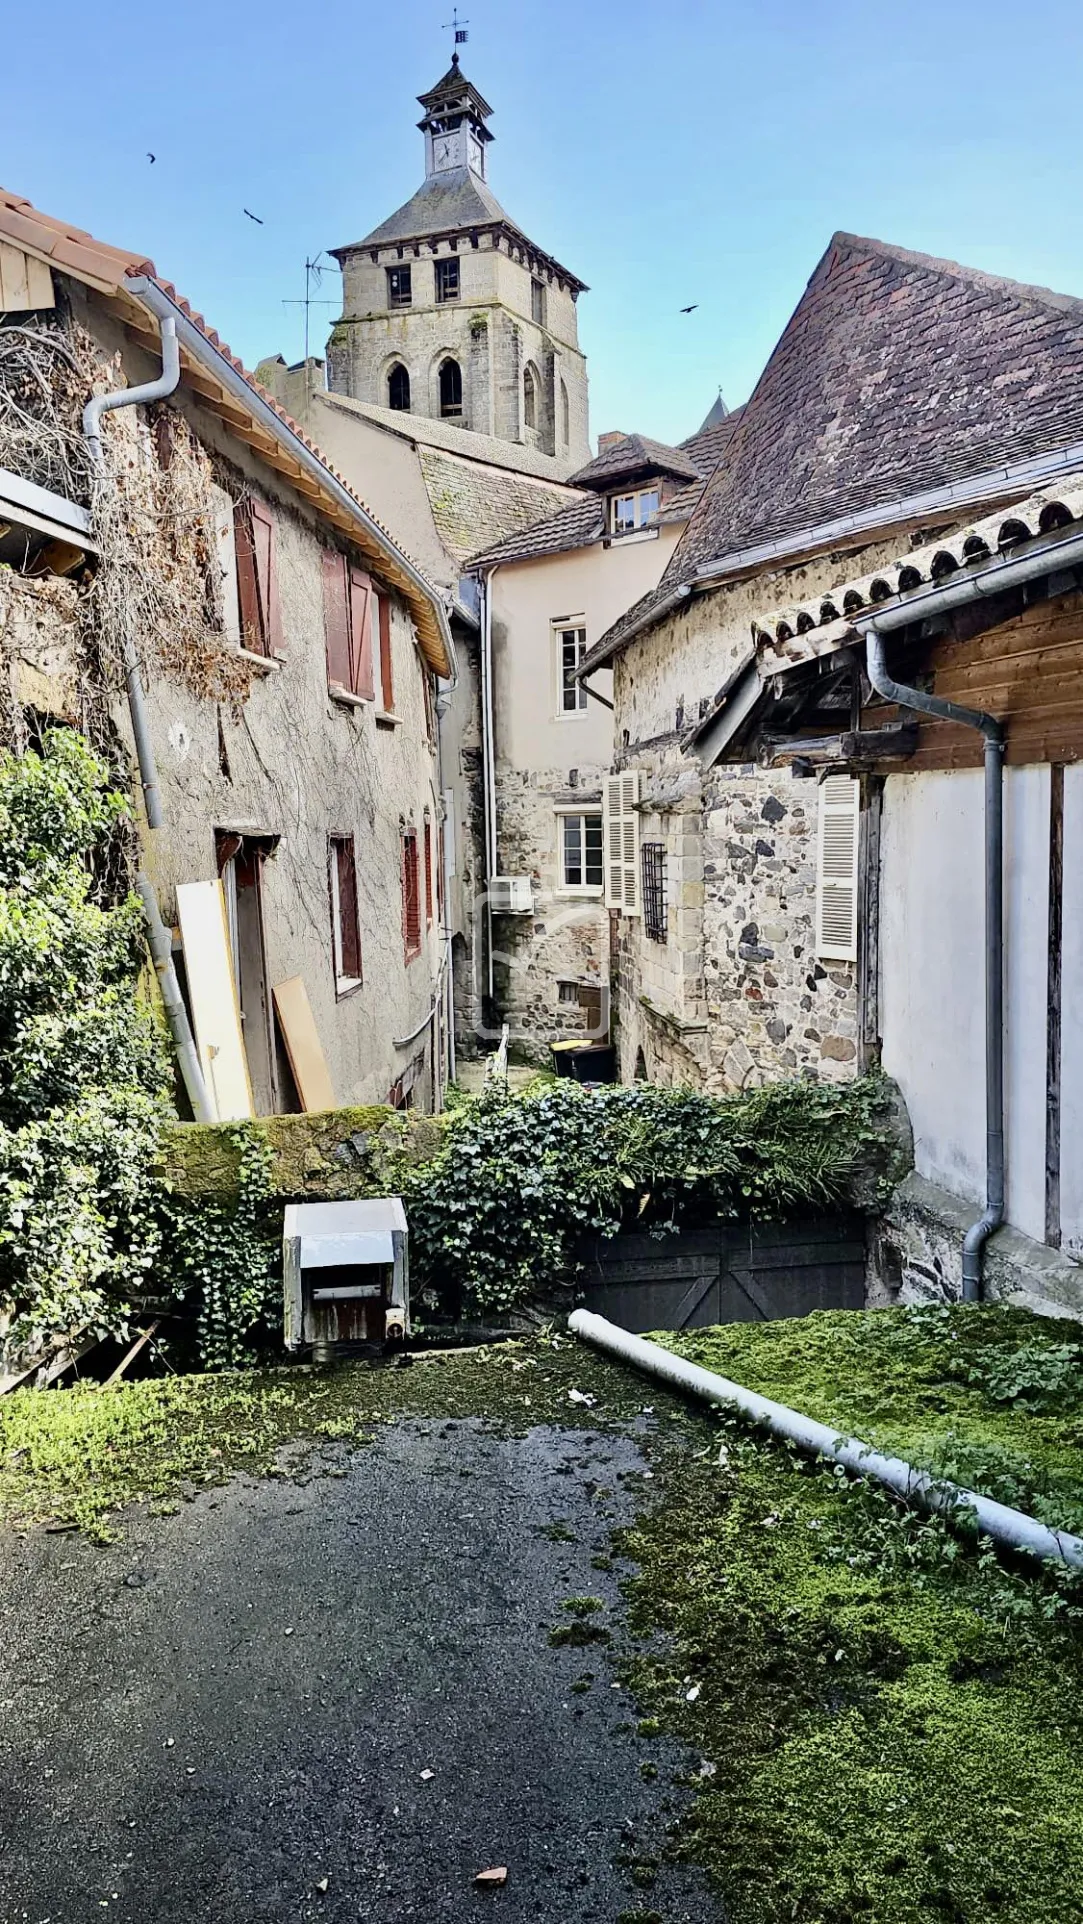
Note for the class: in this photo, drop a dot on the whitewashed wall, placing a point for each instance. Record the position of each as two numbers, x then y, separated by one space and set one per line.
933 982
1071 1122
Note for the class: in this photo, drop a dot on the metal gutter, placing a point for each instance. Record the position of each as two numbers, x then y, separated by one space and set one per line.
201 349
647 619
1012 1529
68 515
1051 554
1023 476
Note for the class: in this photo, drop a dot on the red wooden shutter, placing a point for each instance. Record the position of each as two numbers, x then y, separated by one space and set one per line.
247 587
263 545
411 911
428 872
361 635
387 684
349 930
336 618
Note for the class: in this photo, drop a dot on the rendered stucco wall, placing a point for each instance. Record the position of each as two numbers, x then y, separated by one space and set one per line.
933 982
548 760
291 762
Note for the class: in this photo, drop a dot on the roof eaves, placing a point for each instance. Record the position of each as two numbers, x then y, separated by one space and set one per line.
1042 525
617 638
991 485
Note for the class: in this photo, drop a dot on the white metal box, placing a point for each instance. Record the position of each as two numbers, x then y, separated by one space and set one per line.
511 895
345 1273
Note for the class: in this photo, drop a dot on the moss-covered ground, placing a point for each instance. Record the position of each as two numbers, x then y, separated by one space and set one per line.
884 1722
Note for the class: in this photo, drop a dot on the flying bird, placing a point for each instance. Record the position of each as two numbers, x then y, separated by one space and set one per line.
690 310
252 216
152 158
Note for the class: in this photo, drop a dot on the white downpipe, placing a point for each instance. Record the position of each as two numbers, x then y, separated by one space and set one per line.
1013 1529
485 587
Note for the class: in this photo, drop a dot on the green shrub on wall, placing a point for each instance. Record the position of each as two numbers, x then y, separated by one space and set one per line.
494 1217
83 1074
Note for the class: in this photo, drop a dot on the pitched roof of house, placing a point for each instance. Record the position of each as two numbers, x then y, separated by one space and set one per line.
474 502
709 443
635 454
898 376
896 372
467 442
133 289
578 525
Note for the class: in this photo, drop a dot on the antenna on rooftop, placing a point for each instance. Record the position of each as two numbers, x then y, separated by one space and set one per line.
314 271
458 28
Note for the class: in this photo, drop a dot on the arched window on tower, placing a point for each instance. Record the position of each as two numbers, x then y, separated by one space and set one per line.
451 390
530 398
398 389
565 415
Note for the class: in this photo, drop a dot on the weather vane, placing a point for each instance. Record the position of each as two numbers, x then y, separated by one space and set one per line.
458 28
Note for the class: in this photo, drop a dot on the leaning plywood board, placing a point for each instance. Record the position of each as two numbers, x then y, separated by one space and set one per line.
212 991
307 1060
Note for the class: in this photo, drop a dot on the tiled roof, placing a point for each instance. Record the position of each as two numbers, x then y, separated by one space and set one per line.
577 526
635 454
110 270
896 372
472 502
897 376
707 446
472 446
447 203
788 636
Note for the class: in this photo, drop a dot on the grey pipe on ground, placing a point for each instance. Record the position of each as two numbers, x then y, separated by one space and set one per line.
916 698
1012 1529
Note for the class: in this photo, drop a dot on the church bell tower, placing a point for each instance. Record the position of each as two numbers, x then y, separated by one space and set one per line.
451 313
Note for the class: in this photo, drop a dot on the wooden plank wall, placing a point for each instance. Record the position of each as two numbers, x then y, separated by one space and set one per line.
1028 671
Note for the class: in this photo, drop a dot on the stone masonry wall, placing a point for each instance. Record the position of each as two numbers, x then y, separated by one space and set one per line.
565 943
773 1008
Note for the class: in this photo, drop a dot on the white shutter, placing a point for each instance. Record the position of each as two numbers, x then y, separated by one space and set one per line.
836 869
622 842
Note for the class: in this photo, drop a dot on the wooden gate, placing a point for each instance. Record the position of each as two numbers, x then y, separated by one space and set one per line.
726 1273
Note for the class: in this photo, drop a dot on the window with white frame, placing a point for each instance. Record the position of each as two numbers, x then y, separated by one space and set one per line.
631 511
570 643
582 870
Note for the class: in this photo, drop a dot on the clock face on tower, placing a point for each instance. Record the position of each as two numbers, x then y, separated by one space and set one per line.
474 154
444 150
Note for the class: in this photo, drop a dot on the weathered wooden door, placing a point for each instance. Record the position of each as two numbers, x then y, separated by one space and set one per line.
726 1273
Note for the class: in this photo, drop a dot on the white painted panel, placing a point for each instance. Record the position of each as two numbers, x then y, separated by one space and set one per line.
932 959
212 991
1026 982
933 976
1071 1072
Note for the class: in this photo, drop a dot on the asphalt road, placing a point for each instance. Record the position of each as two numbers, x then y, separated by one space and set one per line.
228 1716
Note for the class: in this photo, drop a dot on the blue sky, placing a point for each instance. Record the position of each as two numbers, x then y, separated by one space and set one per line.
695 150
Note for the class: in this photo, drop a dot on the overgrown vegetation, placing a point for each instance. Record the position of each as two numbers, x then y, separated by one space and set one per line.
883 1723
82 1066
495 1216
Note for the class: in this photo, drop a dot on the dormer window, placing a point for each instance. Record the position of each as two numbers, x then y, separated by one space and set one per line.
399 292
631 511
447 279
